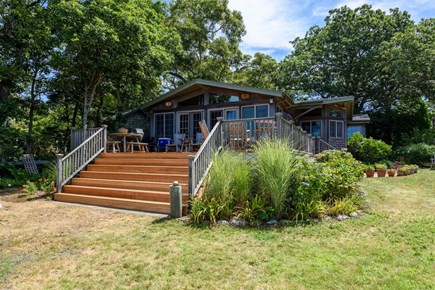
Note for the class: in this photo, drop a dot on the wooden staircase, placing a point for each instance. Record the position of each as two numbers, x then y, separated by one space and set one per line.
136 181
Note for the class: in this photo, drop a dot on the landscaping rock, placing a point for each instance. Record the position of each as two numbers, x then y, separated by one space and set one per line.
184 219
354 215
342 217
285 222
327 218
272 223
222 222
1 206
238 223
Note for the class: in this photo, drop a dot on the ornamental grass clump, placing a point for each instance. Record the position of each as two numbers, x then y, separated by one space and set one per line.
228 187
275 170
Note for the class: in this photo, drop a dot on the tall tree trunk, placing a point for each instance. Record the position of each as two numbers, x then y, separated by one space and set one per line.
31 112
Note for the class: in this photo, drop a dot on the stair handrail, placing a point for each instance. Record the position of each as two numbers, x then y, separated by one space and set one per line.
71 164
297 137
322 145
201 162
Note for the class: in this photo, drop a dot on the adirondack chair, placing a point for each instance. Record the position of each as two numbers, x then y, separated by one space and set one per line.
432 162
204 134
238 135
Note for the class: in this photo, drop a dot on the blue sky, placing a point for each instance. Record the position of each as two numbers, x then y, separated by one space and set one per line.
271 24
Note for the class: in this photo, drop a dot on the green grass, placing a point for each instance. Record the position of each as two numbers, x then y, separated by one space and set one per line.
66 247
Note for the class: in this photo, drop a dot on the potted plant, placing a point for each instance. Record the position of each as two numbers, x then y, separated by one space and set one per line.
381 169
391 172
369 170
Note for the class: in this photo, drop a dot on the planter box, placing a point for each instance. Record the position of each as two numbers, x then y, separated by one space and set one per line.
381 172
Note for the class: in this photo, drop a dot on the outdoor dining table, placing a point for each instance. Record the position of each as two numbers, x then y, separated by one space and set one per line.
125 136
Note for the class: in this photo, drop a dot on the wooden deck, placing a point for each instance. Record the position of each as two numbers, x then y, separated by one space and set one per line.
136 181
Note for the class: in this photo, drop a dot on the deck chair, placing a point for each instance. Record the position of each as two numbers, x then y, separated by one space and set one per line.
204 134
432 162
238 135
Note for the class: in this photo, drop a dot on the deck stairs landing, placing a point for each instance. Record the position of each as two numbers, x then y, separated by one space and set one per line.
135 181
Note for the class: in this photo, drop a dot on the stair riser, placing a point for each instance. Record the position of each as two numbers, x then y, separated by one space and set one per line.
146 162
155 155
134 176
139 169
118 193
129 204
164 187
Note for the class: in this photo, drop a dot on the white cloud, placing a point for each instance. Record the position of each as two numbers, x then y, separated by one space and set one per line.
271 24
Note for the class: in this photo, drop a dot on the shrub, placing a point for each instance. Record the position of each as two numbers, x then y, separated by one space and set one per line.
309 186
416 153
345 205
368 150
275 170
380 166
342 173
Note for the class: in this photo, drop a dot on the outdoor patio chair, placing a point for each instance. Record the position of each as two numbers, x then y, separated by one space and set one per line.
238 135
432 162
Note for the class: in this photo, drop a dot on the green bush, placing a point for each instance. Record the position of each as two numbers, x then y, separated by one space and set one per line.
342 173
14 176
368 150
416 153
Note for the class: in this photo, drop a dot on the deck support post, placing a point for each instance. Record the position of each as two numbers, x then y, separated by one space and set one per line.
59 173
176 201
220 119
278 125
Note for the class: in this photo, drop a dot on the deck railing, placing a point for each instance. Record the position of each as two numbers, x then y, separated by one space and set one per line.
78 158
200 164
321 145
297 137
79 135
238 134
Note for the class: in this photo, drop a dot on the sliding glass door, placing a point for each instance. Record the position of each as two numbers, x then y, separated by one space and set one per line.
188 123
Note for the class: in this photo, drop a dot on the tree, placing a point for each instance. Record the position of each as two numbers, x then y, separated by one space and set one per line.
108 39
210 33
258 71
384 60
345 57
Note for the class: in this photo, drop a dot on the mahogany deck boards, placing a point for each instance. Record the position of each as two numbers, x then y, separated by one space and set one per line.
135 181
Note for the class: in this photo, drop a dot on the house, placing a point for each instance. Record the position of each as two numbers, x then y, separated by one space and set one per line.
180 110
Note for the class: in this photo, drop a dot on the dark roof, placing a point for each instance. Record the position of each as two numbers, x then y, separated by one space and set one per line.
363 118
326 101
201 82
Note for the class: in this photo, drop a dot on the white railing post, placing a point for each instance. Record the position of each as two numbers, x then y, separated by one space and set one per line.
59 174
192 180
105 138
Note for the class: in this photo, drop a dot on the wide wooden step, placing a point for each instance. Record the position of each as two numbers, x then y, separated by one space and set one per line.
158 177
141 161
150 155
121 193
142 205
139 168
131 184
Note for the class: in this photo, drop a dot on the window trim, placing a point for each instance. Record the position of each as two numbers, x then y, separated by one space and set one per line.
336 130
310 121
177 121
255 110
223 113
164 124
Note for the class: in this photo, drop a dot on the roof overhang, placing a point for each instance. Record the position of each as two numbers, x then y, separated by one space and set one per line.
280 98
346 102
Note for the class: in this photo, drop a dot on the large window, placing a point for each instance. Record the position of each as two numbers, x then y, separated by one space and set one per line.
164 123
312 127
228 114
219 99
336 129
257 111
188 123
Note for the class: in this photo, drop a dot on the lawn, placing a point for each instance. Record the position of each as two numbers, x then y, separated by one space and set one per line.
50 245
